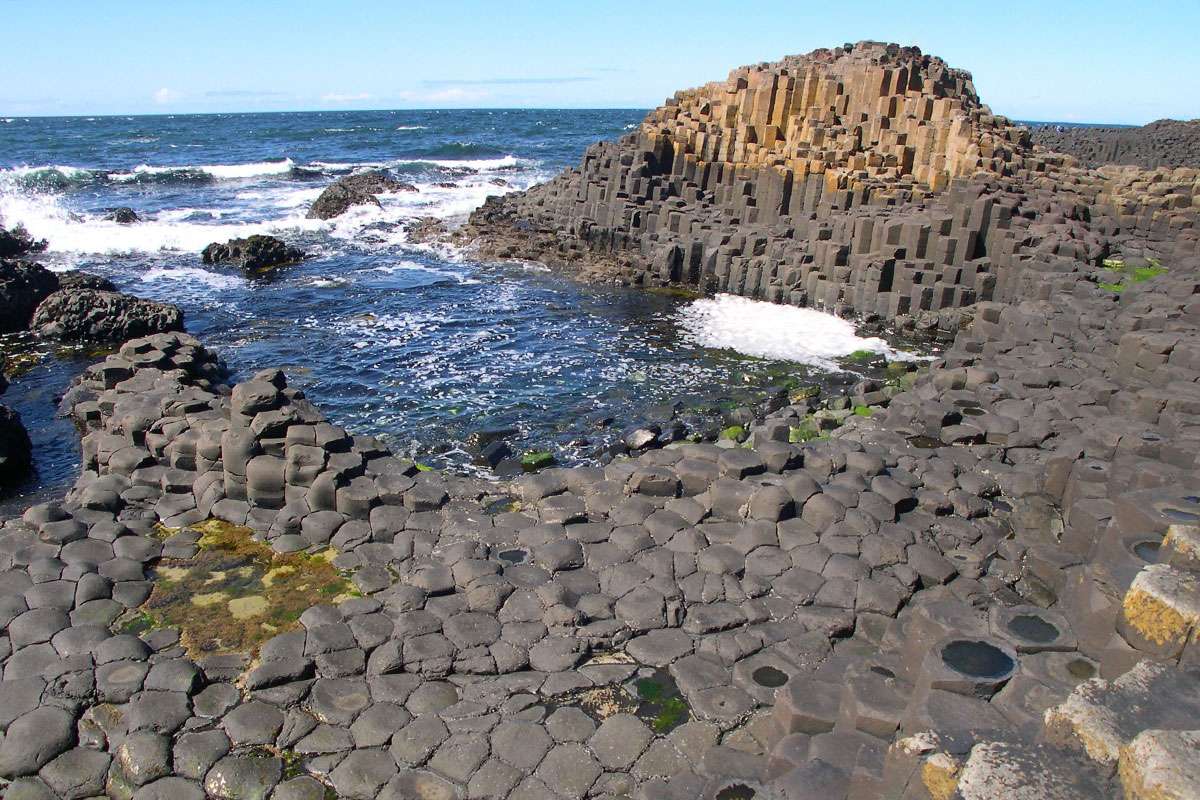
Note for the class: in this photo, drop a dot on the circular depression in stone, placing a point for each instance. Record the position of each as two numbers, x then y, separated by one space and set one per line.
1147 551
977 659
925 442
1078 668
1033 628
770 677
738 791
512 556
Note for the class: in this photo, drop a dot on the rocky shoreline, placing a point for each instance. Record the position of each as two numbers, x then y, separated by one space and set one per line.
971 580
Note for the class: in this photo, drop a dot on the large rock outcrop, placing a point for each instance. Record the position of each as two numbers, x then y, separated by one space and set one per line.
868 179
355 190
95 315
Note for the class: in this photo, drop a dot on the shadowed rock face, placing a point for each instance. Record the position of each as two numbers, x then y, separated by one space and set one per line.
17 242
355 190
15 450
23 285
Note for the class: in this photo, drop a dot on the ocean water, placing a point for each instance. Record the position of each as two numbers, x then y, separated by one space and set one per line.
420 344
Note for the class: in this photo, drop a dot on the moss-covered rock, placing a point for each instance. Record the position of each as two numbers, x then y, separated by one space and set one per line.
235 592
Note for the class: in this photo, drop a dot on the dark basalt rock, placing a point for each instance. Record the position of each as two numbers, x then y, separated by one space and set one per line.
256 253
74 279
23 285
16 242
123 216
355 190
425 229
94 315
16 452
1163 143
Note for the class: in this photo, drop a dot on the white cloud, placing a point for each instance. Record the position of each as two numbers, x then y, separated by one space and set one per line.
335 97
165 95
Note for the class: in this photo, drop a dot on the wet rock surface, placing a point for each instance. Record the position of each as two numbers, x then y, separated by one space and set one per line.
932 586
258 253
363 188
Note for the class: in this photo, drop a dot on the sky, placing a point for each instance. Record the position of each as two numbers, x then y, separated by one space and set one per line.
1096 61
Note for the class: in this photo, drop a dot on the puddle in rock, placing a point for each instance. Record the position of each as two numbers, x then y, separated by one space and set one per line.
1192 498
884 671
1033 628
512 556
977 659
1001 505
1147 551
1081 669
1179 515
770 677
661 706
925 442
738 791
234 593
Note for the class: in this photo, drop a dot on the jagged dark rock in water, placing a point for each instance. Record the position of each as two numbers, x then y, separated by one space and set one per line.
16 452
123 216
74 279
256 253
23 285
16 242
355 190
99 316
1163 143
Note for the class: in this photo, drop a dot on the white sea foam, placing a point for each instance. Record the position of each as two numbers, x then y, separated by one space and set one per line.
399 127
45 218
218 171
769 330
193 275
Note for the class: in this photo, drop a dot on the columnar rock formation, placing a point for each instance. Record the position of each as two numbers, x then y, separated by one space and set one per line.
982 582
867 179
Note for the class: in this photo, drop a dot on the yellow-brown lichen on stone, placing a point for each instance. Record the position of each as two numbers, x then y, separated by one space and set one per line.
1181 545
236 592
1163 605
939 774
1161 765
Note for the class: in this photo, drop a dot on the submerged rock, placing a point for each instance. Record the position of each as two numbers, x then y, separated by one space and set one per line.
95 315
257 253
355 190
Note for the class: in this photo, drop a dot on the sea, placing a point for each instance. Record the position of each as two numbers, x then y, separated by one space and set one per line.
422 345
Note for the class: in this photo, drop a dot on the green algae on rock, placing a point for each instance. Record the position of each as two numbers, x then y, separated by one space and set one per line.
235 592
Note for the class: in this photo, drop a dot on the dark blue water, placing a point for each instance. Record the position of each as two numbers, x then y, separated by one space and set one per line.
419 344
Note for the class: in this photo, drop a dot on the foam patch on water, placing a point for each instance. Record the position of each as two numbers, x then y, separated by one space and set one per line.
46 218
769 330
218 171
193 276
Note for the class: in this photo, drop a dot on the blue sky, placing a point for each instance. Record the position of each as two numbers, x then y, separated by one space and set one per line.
1097 61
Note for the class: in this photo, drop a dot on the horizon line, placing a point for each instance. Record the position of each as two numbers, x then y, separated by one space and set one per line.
6 115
